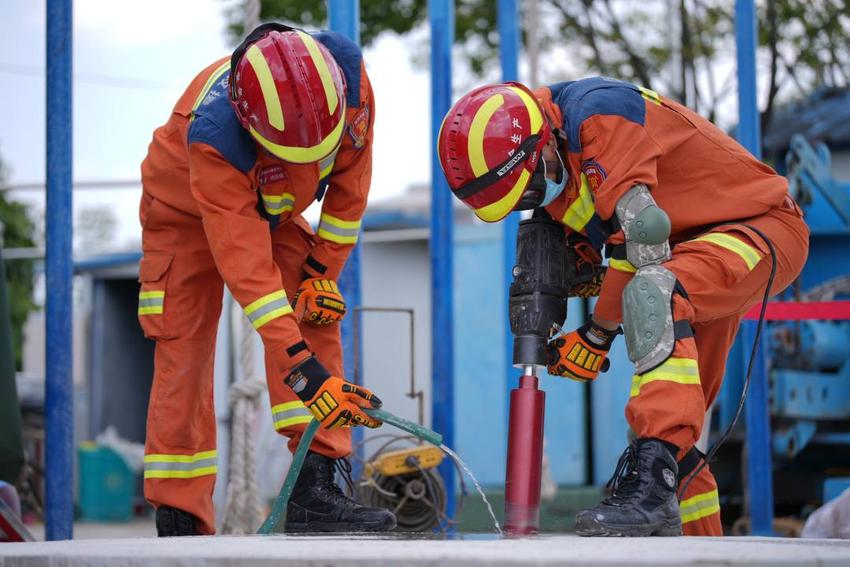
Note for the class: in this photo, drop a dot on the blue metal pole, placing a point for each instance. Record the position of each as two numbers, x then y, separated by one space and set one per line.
508 19
344 17
748 113
58 399
441 16
759 458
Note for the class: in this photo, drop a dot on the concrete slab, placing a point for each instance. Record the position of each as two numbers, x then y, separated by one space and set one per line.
322 551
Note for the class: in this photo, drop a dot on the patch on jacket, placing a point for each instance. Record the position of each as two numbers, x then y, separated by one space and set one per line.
359 127
594 173
271 174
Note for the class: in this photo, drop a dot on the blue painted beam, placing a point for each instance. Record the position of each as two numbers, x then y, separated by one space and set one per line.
58 398
441 19
759 457
508 19
760 464
344 17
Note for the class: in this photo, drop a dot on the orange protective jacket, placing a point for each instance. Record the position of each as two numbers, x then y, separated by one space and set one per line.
615 135
204 163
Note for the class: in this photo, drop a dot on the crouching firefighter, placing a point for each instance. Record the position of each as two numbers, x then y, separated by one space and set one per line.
254 140
689 220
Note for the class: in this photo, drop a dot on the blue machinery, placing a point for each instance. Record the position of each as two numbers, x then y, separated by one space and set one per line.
818 366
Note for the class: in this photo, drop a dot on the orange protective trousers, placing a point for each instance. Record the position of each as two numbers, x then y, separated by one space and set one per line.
181 427
724 273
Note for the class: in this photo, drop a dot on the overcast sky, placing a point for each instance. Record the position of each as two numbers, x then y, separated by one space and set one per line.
132 60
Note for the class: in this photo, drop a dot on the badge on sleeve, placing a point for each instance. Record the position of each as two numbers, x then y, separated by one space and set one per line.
359 127
594 173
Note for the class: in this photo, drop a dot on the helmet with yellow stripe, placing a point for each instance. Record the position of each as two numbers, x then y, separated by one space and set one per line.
490 145
289 93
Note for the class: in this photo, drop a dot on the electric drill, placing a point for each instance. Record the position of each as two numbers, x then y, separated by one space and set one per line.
543 276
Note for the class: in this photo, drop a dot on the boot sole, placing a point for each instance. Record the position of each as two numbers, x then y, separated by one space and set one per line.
590 528
337 527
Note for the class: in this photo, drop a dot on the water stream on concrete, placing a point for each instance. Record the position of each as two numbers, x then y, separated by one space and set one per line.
474 480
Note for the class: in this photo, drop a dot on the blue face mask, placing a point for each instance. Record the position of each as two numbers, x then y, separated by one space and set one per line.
554 188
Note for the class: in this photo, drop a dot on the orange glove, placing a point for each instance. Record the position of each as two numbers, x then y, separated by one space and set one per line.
581 355
319 302
332 400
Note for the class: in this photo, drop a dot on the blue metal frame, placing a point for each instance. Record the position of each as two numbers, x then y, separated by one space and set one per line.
508 16
344 17
58 399
441 19
759 443
760 464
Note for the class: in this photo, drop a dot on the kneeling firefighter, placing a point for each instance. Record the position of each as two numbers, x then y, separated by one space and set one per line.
254 140
696 230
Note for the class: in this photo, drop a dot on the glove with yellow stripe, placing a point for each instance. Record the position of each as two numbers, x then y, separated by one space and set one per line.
581 355
318 302
332 401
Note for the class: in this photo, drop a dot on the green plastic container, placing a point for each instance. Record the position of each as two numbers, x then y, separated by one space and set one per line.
106 483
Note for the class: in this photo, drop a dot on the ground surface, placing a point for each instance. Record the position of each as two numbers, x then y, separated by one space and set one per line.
322 551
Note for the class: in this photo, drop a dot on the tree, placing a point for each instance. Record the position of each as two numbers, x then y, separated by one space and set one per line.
17 231
682 48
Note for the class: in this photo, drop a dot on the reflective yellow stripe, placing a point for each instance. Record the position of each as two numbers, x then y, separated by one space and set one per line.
580 212
679 370
700 506
322 68
297 154
151 302
180 458
180 466
278 204
326 165
748 254
210 82
151 294
534 114
181 474
267 308
475 142
338 230
650 95
621 265
501 208
258 62
290 413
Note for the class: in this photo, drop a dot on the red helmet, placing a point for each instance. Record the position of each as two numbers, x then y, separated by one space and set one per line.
289 93
489 147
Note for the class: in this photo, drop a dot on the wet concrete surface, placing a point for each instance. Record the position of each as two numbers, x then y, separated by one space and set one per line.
381 551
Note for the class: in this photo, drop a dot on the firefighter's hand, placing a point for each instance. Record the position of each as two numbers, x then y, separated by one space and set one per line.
318 302
581 354
589 269
332 401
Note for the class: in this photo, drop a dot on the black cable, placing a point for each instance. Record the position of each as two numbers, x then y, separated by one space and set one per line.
753 353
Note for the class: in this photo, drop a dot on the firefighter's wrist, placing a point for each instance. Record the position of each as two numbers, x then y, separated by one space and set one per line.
600 335
306 378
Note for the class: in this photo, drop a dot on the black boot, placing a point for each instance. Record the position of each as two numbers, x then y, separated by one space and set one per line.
317 504
173 522
643 498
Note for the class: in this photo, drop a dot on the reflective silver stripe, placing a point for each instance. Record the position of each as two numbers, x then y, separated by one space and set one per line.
326 165
151 302
345 232
289 417
180 466
276 204
258 314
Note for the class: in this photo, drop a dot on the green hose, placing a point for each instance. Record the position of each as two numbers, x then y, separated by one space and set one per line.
279 506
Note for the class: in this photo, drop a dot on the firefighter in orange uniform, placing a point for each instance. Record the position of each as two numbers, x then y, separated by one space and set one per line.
693 225
254 140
